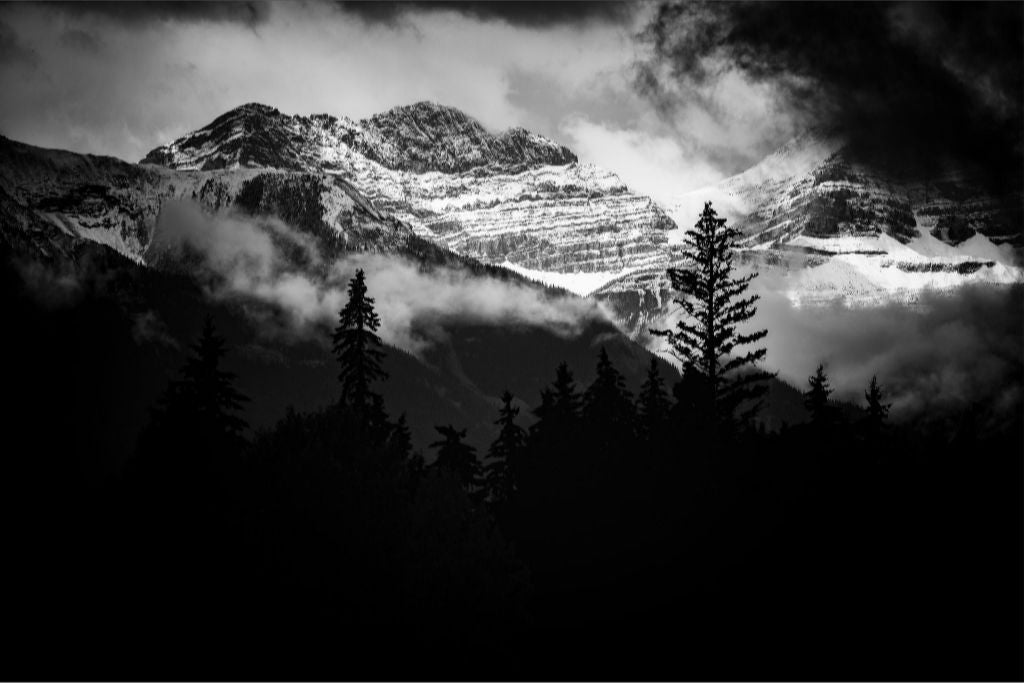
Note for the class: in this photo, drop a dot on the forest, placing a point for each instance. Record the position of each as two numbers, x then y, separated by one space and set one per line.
602 535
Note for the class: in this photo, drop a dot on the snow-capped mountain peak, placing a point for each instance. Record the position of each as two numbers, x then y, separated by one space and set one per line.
420 138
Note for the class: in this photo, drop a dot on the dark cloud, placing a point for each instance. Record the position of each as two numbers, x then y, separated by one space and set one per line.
13 51
138 13
907 84
529 14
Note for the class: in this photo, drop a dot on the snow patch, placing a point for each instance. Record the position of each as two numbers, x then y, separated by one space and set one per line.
582 284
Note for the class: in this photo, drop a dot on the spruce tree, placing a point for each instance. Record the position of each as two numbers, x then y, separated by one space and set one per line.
707 337
503 455
607 405
558 413
358 348
401 438
206 394
457 457
565 400
877 409
196 425
816 398
652 403
544 413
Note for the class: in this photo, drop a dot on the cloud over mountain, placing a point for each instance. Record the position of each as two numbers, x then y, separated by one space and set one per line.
909 83
247 259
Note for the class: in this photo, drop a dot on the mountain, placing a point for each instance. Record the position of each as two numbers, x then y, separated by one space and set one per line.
419 138
514 198
87 251
430 182
819 187
828 227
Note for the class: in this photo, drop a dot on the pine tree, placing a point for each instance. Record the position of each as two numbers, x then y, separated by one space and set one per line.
877 410
652 403
457 457
206 394
607 405
503 456
558 412
401 439
816 398
707 338
544 414
196 425
358 348
565 400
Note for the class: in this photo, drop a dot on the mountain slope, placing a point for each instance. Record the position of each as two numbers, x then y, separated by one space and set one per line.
515 197
824 227
428 178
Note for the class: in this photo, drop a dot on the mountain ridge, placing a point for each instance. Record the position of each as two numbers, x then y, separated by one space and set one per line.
515 197
832 227
420 137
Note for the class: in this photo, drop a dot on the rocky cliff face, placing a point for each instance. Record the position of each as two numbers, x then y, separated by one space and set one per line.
515 197
817 188
419 138
824 227
53 198
430 181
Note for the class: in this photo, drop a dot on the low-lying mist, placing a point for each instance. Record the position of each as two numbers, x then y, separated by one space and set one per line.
263 259
947 353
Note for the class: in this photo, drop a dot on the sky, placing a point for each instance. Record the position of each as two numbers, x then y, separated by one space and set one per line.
672 97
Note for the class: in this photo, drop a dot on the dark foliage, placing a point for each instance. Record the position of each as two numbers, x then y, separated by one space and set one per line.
823 412
877 411
708 340
614 547
359 348
457 458
502 471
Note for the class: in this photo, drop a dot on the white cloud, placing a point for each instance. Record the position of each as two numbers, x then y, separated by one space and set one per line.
153 82
143 84
245 262
655 165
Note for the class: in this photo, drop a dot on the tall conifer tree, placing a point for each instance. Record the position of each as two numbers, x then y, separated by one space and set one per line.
652 403
607 405
358 348
206 395
565 399
503 465
816 398
714 302
457 457
877 409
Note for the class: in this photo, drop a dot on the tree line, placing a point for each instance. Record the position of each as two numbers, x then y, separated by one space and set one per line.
601 534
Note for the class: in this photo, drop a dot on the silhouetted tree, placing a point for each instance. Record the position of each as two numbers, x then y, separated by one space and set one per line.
358 348
202 406
816 398
503 455
457 457
209 389
565 398
607 405
401 438
877 409
558 412
652 403
707 338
